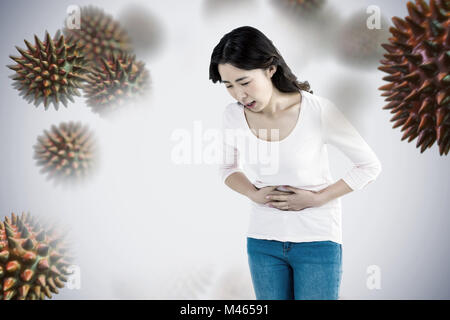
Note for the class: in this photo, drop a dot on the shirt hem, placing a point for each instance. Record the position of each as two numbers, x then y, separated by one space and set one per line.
293 238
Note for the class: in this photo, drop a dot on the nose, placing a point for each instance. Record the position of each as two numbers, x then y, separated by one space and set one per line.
241 95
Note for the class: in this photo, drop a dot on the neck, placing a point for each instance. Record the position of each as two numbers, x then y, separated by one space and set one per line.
280 101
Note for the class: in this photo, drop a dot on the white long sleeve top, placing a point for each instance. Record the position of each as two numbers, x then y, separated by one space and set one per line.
299 160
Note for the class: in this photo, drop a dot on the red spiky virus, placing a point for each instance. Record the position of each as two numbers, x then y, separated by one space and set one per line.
120 79
49 71
99 35
418 64
33 259
66 152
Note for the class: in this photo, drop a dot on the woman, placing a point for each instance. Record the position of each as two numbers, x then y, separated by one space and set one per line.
294 239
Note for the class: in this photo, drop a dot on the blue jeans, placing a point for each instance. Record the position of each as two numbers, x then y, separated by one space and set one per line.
295 270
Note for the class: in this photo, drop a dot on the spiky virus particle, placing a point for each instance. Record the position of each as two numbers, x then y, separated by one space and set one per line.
118 80
33 261
49 71
418 64
99 35
66 152
358 41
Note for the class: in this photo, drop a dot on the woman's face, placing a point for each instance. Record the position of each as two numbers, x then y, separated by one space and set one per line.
248 85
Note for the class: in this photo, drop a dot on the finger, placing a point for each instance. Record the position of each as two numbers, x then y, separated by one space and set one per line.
283 206
277 197
277 205
269 195
280 192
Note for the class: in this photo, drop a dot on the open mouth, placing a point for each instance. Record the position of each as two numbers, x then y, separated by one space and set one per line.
251 104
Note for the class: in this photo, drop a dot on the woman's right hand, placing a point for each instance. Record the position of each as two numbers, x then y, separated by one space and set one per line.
259 195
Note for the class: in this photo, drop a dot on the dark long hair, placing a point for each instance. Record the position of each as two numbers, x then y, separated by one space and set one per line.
248 48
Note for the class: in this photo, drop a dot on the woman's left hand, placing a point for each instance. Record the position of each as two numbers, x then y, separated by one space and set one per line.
299 199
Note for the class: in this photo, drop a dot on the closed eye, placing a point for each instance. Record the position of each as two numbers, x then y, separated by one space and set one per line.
244 84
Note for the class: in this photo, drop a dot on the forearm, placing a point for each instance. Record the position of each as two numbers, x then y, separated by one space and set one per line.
240 183
333 191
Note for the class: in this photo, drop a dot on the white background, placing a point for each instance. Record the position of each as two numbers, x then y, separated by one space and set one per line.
146 227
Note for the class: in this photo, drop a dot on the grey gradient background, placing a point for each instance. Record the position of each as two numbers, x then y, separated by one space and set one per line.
145 227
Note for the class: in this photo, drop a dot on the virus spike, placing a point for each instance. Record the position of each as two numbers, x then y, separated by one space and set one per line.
29 257
59 283
9 231
442 97
52 285
425 121
50 44
442 115
47 292
8 283
26 275
426 106
25 233
23 291
12 266
37 290
402 36
8 295
30 47
414 12
400 24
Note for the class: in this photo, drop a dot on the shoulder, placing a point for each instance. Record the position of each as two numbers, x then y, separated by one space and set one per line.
315 100
322 105
316 104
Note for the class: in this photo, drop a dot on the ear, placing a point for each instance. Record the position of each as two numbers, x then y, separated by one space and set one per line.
272 70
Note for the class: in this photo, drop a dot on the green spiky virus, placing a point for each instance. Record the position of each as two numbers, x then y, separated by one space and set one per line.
49 71
118 80
418 64
33 261
66 152
99 36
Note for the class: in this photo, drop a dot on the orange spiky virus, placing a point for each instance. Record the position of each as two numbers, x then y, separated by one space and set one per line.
99 35
33 261
119 79
66 152
49 71
418 63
